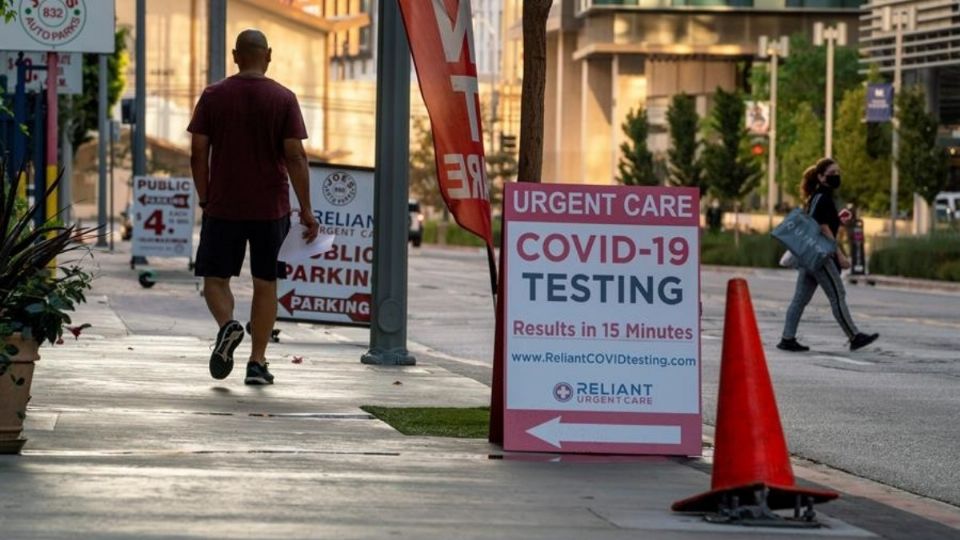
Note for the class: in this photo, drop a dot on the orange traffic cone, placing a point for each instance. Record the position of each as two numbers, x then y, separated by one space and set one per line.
750 454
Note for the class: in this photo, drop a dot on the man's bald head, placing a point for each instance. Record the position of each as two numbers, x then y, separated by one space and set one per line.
252 53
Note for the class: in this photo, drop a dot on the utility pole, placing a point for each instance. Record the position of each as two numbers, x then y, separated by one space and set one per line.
832 36
775 49
216 40
140 124
388 306
104 135
898 20
53 73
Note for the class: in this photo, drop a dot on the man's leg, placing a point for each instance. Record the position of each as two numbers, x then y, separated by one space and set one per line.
265 241
263 315
219 297
219 256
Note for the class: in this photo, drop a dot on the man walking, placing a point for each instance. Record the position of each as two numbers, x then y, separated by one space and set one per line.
247 134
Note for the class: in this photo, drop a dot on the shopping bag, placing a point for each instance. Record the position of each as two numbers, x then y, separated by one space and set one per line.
787 260
801 235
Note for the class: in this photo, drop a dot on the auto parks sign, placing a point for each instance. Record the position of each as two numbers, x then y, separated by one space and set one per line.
59 26
602 321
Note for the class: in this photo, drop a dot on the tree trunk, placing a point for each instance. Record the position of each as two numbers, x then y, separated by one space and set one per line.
535 14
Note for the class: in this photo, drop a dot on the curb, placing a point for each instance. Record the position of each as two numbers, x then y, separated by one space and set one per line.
908 283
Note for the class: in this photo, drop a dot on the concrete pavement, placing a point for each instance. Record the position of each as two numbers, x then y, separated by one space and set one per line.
130 438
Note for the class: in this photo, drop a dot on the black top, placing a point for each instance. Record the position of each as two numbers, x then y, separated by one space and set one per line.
825 212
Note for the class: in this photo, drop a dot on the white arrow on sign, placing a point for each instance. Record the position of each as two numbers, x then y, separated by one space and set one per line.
553 432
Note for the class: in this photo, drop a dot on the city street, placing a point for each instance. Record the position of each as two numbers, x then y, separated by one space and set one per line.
127 416
885 413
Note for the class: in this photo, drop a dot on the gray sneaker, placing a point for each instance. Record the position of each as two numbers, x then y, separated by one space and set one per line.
221 360
258 373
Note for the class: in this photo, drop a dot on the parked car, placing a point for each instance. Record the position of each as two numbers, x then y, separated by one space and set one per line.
415 223
947 206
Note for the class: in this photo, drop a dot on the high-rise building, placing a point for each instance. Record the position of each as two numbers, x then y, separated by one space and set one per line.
606 57
930 54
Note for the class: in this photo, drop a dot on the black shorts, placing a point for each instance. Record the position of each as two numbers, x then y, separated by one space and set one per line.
223 245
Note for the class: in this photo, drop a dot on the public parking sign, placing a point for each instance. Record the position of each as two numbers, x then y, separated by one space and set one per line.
334 287
163 216
602 325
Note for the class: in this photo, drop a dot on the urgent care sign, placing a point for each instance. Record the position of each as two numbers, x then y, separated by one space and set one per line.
334 287
59 26
602 325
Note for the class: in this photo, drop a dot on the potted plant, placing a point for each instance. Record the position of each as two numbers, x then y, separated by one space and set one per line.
34 299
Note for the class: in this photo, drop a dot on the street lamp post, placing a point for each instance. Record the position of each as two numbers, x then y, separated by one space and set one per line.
897 20
775 49
832 36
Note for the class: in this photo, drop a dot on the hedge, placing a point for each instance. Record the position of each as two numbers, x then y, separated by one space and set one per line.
457 235
756 250
927 257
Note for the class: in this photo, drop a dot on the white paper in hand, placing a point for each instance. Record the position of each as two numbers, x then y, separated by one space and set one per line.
296 248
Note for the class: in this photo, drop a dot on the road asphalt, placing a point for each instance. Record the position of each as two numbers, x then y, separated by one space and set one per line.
129 437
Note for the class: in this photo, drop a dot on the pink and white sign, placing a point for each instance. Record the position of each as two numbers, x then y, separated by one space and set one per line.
602 325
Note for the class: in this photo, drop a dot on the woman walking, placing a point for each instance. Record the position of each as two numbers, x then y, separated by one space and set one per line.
819 183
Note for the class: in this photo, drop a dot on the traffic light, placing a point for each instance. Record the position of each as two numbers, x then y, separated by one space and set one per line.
508 143
757 149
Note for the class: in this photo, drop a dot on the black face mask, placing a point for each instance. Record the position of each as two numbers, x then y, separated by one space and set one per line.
832 181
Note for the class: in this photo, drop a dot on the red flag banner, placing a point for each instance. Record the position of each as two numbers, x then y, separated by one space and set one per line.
440 33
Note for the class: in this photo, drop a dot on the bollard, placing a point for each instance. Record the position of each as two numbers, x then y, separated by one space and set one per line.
858 259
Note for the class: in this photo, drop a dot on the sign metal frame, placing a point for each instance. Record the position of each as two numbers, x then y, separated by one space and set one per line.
342 199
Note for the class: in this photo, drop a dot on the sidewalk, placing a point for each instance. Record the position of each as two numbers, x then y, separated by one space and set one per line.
130 437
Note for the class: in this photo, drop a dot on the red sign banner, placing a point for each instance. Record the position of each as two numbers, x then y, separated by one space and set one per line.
440 33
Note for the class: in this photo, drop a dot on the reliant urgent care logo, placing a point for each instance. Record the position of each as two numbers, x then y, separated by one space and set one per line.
53 22
604 393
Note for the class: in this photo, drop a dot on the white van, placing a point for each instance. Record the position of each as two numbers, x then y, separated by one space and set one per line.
947 206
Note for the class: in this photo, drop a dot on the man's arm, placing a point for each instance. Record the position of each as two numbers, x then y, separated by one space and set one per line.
296 160
200 165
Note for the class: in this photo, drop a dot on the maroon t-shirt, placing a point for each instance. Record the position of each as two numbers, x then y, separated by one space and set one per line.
247 120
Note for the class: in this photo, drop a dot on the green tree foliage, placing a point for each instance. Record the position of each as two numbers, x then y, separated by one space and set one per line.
423 165
684 167
636 160
501 168
6 11
805 149
802 79
82 111
802 75
866 179
729 169
923 165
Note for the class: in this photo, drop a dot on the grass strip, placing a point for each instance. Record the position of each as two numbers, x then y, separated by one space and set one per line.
466 423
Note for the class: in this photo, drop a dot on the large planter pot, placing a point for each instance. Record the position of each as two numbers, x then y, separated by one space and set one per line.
15 393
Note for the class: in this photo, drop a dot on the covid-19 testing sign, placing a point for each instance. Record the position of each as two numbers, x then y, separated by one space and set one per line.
602 325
